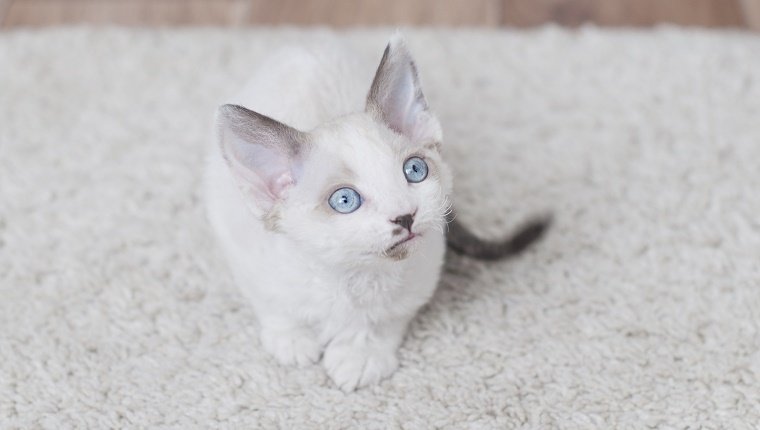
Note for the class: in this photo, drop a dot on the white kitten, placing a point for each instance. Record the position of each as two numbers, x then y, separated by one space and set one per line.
333 224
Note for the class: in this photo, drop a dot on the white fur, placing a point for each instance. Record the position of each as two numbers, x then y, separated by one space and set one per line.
320 281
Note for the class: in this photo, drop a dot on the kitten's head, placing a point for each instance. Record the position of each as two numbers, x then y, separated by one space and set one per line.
363 186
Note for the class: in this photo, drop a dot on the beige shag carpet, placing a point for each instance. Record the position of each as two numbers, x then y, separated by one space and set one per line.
640 309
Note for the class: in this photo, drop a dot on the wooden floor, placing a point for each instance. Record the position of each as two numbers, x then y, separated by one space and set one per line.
342 13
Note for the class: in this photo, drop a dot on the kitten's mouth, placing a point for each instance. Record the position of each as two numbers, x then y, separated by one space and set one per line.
403 241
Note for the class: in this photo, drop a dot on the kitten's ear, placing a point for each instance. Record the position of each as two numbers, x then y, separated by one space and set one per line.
396 98
265 156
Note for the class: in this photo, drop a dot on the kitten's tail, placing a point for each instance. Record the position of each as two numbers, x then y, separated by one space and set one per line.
463 241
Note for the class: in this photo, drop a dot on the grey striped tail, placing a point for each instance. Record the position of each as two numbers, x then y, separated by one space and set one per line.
463 241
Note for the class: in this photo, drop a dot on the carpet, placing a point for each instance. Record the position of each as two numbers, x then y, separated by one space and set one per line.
640 309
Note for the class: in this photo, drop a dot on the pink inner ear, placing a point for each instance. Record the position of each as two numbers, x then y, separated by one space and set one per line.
399 106
279 184
263 169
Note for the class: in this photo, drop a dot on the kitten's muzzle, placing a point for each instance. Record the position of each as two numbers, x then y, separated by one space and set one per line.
404 221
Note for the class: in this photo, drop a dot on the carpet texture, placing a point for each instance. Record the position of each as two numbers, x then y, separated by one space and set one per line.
640 309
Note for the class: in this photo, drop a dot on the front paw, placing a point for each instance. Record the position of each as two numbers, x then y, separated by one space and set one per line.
354 366
291 347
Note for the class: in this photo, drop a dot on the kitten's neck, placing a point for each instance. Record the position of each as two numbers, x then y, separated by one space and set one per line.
369 284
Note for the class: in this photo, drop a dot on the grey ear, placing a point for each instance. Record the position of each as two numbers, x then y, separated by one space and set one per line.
263 154
396 98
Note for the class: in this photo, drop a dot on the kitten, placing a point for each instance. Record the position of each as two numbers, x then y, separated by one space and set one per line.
331 203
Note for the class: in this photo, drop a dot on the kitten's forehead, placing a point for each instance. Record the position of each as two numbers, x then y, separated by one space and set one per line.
358 142
358 134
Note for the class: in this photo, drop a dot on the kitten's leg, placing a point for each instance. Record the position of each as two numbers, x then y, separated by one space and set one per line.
360 356
289 341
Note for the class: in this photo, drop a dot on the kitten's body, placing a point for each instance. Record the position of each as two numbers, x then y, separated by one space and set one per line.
341 285
308 299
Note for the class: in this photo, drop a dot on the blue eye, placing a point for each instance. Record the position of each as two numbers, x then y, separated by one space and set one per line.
345 200
415 169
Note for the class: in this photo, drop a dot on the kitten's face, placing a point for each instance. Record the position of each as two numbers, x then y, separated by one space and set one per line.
388 201
359 153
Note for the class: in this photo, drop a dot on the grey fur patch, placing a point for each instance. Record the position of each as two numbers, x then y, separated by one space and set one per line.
398 253
433 146
346 174
272 219
260 129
